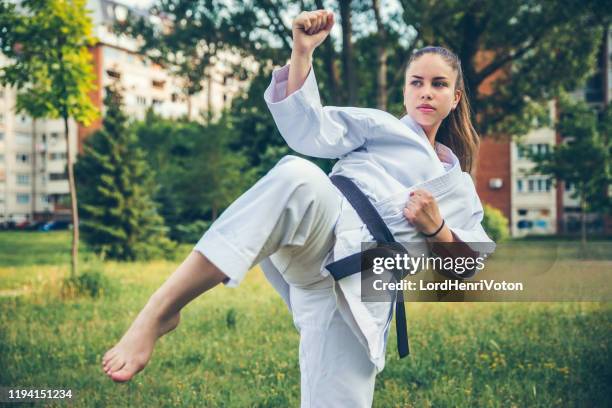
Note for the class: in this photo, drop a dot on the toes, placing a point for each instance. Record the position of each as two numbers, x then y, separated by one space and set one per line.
112 362
117 365
125 374
108 355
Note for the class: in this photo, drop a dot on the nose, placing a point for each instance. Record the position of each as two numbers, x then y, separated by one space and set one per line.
426 94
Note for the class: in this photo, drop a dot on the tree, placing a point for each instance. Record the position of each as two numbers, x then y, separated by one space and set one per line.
215 175
46 42
185 37
526 52
583 159
120 218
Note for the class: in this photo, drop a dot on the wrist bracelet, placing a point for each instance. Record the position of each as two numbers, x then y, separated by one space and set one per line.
437 231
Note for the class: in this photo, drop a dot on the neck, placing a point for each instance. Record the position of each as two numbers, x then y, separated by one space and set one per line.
431 132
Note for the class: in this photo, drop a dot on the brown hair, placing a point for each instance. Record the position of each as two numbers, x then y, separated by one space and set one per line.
456 130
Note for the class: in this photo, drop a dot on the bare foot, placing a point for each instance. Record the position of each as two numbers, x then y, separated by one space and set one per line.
134 350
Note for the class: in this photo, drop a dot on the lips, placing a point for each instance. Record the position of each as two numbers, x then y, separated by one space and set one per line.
426 108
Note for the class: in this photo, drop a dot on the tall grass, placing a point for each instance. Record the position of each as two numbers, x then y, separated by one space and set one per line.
238 347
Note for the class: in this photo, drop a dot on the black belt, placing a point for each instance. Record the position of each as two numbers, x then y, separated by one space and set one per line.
352 264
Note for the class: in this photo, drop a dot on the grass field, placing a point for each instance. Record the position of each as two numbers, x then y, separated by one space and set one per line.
462 354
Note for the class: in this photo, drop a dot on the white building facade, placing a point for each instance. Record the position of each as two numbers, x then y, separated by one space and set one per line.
33 179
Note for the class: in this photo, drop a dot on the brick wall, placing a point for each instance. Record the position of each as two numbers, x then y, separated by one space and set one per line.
95 95
494 162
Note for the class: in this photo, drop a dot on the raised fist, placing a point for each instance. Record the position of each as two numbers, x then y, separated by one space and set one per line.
309 30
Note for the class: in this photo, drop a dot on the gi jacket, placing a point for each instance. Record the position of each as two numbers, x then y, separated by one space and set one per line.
387 158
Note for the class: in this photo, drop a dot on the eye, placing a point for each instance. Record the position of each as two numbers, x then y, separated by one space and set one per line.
416 82
440 83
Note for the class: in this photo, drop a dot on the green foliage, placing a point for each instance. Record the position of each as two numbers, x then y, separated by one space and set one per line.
190 232
495 224
92 283
115 187
526 51
197 169
583 159
46 42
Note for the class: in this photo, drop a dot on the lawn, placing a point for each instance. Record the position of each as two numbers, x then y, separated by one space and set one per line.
238 347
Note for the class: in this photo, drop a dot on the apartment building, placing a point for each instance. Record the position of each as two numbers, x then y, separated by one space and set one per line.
533 203
33 180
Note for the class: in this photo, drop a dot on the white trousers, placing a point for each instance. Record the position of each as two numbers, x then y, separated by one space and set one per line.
287 218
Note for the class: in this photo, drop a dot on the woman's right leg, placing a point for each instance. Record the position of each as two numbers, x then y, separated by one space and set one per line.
291 211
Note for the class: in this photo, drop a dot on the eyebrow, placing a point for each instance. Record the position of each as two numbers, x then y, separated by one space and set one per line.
438 77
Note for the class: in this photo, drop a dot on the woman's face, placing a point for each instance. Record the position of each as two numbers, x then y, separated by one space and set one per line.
429 93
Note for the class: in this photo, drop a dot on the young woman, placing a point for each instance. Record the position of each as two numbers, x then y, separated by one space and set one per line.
294 222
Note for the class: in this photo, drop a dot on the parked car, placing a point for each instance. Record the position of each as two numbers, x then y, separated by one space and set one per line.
35 226
56 225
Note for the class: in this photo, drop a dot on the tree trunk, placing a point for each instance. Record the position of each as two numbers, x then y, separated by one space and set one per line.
73 202
381 74
347 52
583 221
329 56
34 172
188 96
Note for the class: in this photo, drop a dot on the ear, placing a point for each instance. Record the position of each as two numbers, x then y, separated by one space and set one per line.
457 98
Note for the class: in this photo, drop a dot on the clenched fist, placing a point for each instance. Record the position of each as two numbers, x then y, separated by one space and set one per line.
422 211
309 30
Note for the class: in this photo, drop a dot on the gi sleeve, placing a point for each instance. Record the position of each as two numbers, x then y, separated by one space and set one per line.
470 239
309 128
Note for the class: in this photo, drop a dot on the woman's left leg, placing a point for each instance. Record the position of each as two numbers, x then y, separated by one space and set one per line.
335 369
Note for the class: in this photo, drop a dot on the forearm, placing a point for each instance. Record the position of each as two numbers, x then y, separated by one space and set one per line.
448 245
301 63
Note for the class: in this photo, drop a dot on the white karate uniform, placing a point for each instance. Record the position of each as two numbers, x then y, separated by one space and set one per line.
294 222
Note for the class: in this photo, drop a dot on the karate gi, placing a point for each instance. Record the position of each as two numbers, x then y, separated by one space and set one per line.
293 222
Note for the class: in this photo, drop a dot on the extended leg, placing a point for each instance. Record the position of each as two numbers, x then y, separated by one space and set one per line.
159 316
291 209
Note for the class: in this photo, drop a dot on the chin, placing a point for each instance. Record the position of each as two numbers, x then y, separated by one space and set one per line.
423 122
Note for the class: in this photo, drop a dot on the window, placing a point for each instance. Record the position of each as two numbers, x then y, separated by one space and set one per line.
141 100
519 186
158 84
156 102
531 184
540 184
113 74
23 198
23 179
524 224
22 158
548 184
521 151
58 176
54 137
57 156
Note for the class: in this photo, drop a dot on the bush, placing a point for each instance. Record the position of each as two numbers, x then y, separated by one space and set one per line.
495 223
190 233
91 283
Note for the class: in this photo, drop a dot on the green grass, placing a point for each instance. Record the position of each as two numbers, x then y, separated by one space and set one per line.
462 354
